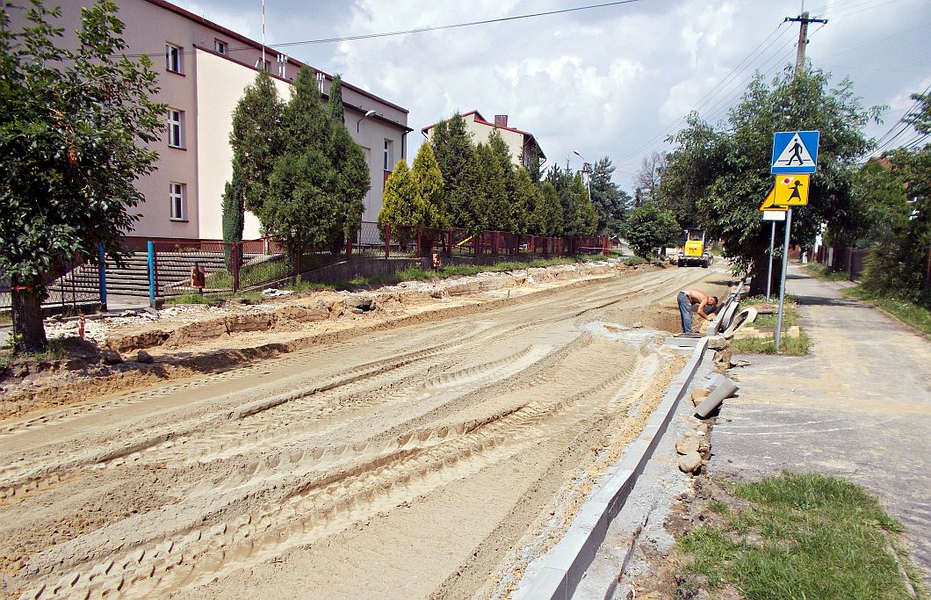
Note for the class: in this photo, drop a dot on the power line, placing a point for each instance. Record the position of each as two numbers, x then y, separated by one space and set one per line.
650 143
369 36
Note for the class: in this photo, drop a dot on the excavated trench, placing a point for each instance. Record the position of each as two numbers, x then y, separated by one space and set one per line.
398 463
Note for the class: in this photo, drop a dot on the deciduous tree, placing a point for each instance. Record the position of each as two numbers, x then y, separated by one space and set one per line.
727 170
648 228
73 130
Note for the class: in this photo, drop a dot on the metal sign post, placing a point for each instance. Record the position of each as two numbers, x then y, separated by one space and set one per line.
782 285
789 148
769 273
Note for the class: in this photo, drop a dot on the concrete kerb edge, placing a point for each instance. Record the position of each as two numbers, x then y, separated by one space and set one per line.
556 574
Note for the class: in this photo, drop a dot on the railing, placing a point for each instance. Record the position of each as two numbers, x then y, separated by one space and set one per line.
390 240
849 260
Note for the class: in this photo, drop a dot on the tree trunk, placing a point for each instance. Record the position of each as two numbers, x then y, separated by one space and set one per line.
758 279
27 320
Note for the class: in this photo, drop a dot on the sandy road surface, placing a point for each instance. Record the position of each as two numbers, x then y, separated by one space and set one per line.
430 460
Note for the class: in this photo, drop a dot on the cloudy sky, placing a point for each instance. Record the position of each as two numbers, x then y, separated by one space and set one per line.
606 81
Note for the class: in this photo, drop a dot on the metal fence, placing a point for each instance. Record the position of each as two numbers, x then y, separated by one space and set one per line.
852 261
171 268
849 260
72 285
389 240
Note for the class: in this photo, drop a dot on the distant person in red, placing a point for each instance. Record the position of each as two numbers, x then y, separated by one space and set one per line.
687 298
198 277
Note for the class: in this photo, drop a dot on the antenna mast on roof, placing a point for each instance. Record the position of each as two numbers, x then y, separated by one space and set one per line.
263 34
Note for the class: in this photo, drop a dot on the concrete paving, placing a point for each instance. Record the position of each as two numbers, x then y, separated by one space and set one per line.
857 407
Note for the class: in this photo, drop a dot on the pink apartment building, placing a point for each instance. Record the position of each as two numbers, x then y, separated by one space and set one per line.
204 69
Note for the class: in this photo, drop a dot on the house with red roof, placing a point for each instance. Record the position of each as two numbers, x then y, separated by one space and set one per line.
522 145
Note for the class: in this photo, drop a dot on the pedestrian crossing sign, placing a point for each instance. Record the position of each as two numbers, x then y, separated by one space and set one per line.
795 152
791 190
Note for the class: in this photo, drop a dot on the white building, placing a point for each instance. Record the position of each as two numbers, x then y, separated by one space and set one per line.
521 144
203 70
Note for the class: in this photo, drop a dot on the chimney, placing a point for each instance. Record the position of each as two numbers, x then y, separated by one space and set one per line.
501 120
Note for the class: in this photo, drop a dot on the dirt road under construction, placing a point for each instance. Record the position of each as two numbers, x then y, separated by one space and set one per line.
430 460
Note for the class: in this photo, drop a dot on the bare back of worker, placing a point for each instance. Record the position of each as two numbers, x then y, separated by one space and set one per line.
703 301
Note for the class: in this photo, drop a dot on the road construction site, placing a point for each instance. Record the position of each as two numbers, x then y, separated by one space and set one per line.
391 451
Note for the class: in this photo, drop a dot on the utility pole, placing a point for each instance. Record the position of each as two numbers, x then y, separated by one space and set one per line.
803 20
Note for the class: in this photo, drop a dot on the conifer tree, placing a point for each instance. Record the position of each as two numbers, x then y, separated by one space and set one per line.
526 198
257 139
397 203
547 216
491 202
233 214
335 101
300 210
456 157
353 179
427 181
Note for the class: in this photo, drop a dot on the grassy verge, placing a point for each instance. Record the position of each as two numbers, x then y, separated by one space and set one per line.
909 313
790 345
798 536
821 272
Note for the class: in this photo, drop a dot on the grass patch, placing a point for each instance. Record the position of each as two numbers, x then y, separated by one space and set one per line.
790 345
801 536
633 261
824 274
907 312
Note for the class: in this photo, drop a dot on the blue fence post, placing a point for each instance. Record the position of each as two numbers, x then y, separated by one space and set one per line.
151 248
102 257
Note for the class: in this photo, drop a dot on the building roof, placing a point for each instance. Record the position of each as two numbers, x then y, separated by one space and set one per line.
258 46
478 118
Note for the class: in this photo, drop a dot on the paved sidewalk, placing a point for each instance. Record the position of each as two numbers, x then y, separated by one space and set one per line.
858 407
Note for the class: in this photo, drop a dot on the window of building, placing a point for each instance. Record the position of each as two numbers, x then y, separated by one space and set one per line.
175 128
176 197
221 47
173 58
389 155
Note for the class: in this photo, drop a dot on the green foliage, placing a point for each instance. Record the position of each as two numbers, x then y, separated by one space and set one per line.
233 214
726 171
579 215
398 199
609 200
547 217
800 536
299 210
920 118
896 266
428 185
257 139
335 101
73 135
455 156
648 228
193 299
353 181
414 197
527 199
491 201
879 195
319 175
